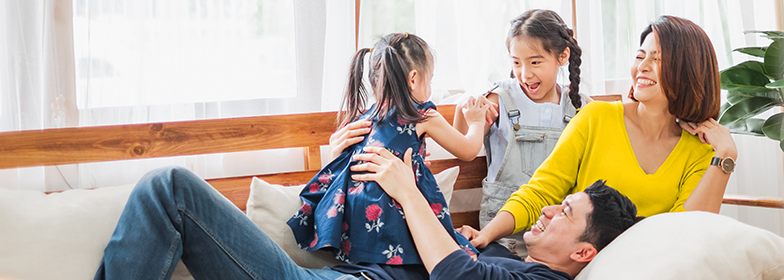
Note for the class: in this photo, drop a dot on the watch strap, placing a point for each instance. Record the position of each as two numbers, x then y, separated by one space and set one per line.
716 161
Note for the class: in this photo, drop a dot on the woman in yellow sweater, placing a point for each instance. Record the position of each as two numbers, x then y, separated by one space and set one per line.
639 147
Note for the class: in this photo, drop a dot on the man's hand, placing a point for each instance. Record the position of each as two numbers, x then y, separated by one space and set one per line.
348 135
393 175
474 236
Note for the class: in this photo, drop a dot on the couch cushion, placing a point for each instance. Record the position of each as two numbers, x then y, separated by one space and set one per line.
59 235
690 245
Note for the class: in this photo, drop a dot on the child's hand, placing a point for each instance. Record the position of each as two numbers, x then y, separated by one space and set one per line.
347 136
476 111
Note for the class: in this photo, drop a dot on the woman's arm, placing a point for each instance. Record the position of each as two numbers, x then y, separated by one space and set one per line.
396 177
708 193
464 147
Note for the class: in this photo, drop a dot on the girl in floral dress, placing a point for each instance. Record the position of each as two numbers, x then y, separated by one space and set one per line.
358 221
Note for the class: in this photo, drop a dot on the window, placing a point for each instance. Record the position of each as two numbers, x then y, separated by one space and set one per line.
130 53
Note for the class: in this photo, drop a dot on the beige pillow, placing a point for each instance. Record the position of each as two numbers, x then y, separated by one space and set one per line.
57 236
60 235
690 245
270 206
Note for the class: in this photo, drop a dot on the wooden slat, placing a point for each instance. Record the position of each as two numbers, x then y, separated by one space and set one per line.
237 189
471 173
93 144
312 158
470 218
757 201
607 97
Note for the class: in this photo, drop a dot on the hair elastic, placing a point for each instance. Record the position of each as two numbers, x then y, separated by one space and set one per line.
406 35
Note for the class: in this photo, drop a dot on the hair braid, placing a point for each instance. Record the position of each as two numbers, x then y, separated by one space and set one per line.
575 61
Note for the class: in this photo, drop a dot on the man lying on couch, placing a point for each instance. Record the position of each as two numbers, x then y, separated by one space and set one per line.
172 214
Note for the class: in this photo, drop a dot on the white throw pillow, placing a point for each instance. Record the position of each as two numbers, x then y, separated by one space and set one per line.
59 235
690 245
271 206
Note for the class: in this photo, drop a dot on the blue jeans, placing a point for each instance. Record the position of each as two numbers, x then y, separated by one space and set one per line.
173 214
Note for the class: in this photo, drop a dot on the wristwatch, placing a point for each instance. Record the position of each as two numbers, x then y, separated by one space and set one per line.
726 164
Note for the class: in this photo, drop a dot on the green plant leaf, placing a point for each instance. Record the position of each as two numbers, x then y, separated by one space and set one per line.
734 97
776 84
750 126
774 127
774 59
752 65
781 145
752 51
741 78
744 109
769 34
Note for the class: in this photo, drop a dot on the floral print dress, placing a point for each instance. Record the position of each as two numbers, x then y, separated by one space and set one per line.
358 221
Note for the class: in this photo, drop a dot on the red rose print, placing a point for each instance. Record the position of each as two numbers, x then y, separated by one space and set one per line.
397 204
339 198
306 208
373 211
436 207
332 212
356 189
324 178
395 260
315 239
313 187
345 226
345 246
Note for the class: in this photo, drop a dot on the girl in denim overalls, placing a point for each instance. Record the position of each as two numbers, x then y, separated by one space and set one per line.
532 108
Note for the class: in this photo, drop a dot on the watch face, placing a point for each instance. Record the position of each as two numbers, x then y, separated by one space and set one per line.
727 165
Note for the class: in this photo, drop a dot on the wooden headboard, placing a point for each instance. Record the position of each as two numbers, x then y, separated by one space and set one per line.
307 131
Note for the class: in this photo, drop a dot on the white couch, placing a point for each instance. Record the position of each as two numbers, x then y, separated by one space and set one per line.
62 236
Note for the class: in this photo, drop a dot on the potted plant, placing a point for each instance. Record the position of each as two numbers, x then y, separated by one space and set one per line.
753 88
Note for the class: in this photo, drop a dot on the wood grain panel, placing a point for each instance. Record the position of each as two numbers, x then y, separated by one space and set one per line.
757 201
93 144
470 218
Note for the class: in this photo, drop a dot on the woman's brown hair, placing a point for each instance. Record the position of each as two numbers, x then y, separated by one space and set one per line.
689 74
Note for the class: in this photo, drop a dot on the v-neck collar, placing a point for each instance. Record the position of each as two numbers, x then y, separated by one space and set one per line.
664 164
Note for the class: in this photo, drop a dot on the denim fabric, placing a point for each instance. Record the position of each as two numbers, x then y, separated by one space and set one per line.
173 214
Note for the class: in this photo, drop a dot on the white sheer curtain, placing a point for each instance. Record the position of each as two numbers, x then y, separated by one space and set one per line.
144 61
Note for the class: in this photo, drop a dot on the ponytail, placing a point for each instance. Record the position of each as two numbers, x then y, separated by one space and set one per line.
356 95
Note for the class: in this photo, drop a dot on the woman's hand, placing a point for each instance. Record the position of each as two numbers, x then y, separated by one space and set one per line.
396 177
348 135
715 134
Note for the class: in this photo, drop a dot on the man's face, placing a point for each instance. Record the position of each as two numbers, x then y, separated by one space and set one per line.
556 234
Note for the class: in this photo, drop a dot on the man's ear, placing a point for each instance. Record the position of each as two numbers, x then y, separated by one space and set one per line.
585 252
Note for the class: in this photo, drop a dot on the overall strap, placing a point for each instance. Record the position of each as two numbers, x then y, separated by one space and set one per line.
511 108
568 110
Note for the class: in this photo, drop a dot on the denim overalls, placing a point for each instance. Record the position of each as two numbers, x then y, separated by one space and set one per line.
526 147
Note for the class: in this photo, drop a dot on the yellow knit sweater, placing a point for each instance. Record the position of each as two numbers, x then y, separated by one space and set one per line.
595 146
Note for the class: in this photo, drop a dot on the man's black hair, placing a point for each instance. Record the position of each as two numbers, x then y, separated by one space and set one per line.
612 214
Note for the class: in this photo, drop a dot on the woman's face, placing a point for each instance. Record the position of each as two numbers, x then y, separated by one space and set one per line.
645 71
